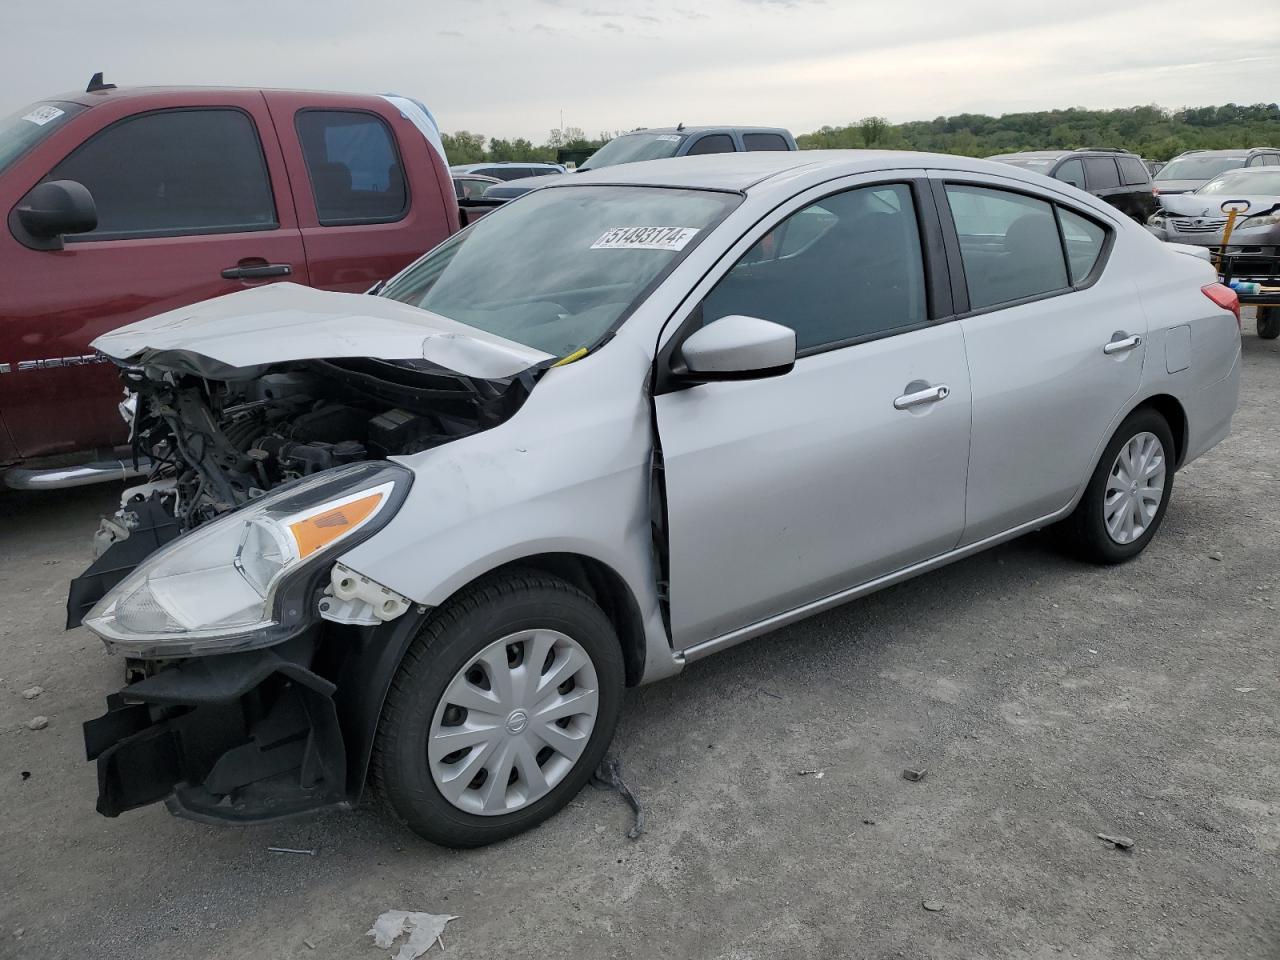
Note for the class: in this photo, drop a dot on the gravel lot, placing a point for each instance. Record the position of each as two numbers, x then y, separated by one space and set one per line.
1050 702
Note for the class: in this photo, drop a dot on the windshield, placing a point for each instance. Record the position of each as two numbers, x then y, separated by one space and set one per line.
557 268
21 131
1197 168
632 147
1245 182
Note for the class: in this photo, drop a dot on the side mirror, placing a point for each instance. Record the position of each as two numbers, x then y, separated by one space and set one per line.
737 348
52 209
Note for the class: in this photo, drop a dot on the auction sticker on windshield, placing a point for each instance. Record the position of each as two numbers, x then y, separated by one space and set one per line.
645 238
42 115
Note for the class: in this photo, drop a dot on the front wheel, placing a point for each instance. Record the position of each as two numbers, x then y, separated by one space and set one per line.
1127 495
1269 322
502 709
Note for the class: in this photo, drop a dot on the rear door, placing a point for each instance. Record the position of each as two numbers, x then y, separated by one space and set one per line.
192 202
1055 345
783 491
371 194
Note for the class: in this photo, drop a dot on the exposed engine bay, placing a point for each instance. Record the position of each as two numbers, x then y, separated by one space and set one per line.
216 444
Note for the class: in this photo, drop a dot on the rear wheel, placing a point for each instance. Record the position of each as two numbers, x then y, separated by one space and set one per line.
503 708
1127 495
1269 322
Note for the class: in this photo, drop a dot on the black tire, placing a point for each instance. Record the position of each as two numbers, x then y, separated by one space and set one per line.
1085 531
1269 322
487 611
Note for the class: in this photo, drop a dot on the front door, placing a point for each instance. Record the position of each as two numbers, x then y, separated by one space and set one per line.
787 490
185 212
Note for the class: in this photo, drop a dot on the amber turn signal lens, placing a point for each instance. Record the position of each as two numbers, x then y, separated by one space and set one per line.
321 529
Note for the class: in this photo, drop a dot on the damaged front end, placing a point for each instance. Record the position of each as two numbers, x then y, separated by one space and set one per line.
256 661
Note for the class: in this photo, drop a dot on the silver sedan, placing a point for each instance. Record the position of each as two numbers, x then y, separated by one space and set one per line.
622 423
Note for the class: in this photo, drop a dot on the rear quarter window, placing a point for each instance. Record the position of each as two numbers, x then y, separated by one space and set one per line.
764 141
354 166
1133 171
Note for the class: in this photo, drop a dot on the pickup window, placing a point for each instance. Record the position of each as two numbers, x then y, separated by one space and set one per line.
712 143
764 141
174 173
355 170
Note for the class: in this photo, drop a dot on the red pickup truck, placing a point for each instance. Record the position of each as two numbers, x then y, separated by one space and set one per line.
124 203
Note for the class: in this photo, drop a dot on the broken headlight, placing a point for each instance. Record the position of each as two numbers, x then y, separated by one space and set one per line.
245 580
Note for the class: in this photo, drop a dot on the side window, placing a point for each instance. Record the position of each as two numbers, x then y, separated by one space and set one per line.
355 170
1084 240
1072 172
1008 244
1133 170
1101 172
847 266
713 143
764 141
174 172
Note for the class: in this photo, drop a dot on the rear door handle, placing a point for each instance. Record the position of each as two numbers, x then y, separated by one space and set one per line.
1122 344
257 272
931 395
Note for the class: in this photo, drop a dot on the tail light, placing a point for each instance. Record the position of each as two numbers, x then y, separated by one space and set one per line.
1224 297
1155 191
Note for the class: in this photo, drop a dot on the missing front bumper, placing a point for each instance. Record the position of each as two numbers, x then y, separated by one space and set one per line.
238 738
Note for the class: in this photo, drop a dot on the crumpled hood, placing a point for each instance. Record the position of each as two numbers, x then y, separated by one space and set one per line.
282 322
1209 206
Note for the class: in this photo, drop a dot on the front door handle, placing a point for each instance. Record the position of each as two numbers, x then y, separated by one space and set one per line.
257 271
1120 343
931 395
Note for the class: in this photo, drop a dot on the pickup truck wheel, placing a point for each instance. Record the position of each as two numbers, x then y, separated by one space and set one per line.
502 709
1127 495
1269 322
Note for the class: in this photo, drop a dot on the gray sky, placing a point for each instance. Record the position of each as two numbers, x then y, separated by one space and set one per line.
509 67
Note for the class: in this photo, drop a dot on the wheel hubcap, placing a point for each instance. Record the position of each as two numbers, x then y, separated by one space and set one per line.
513 722
1135 488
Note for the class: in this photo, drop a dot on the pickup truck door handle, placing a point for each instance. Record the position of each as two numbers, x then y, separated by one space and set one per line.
931 395
1120 343
257 271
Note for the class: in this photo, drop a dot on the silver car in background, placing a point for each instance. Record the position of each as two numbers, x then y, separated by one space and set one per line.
1199 218
680 404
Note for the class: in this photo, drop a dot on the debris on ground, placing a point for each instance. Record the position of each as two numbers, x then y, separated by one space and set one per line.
26 774
769 693
1119 842
308 944
305 853
915 774
933 906
37 723
868 821
32 692
1245 689
1216 556
816 774
608 777
423 929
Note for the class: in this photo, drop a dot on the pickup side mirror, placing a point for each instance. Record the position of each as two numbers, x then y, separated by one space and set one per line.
52 209
737 348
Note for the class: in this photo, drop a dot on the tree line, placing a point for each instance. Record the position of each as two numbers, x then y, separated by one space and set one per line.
1151 131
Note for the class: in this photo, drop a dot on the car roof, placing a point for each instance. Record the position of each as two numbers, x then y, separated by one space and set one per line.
705 128
738 172
1237 152
485 164
90 98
